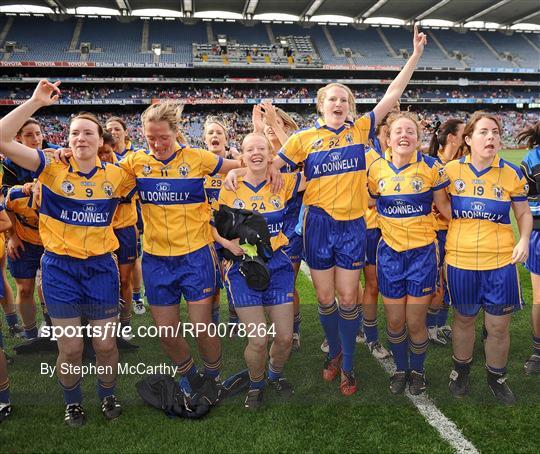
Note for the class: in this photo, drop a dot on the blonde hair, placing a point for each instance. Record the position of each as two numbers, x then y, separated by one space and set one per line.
168 111
213 119
392 118
288 122
258 134
321 95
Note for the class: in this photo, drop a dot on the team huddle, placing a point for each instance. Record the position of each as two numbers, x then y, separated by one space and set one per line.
351 193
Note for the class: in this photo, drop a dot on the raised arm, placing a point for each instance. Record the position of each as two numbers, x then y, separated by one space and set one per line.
45 94
398 85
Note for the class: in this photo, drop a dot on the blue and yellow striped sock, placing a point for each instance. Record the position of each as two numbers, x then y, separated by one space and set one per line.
31 331
417 355
370 330
349 322
274 373
72 394
399 346
187 368
431 317
329 318
212 368
4 392
136 295
536 345
105 389
257 382
496 370
442 316
12 319
296 323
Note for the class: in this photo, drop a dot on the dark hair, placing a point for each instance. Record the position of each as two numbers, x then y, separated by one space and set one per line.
30 121
530 135
440 135
108 139
91 117
118 120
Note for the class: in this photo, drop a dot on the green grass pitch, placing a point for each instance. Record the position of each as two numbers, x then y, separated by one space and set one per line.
317 419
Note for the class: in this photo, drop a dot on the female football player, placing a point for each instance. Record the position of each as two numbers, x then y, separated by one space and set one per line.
481 254
80 275
131 268
405 184
445 145
530 167
333 153
255 192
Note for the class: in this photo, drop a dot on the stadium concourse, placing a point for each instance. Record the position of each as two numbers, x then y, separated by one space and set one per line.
222 58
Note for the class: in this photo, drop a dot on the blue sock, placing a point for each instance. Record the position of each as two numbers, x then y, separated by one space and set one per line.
417 355
136 296
370 330
105 389
348 324
187 368
296 323
274 373
4 392
257 382
31 333
215 315
442 316
494 370
431 317
536 344
12 319
73 394
211 369
399 346
329 318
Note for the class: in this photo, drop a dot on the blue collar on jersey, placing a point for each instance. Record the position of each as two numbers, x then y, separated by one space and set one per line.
73 167
496 163
320 123
255 188
416 157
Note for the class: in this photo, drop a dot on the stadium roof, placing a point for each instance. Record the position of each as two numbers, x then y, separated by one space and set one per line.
459 12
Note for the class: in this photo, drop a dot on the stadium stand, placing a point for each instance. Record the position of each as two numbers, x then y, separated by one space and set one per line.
176 36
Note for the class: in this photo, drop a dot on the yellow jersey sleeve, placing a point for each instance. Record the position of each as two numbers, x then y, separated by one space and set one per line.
26 217
293 152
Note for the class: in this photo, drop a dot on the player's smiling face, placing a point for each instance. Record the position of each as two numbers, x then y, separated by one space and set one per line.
256 154
335 107
118 133
485 140
215 138
403 137
161 138
84 139
31 136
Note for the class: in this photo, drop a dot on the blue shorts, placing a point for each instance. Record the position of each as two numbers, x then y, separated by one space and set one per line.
280 290
413 272
26 266
533 262
74 287
329 243
496 291
127 237
294 249
167 279
372 240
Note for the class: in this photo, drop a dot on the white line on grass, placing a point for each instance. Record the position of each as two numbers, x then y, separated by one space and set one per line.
427 408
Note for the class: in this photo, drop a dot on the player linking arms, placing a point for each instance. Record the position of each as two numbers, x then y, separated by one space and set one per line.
80 275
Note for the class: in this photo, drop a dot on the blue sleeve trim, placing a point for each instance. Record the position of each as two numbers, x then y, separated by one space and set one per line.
42 162
441 186
286 159
519 198
372 125
218 166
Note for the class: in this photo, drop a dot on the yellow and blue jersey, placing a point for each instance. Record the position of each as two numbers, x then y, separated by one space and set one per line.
126 212
130 148
371 212
405 198
261 199
171 192
480 235
26 217
77 209
212 186
334 165
442 222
